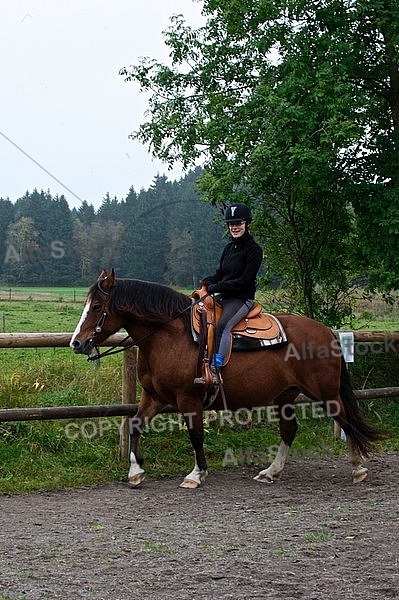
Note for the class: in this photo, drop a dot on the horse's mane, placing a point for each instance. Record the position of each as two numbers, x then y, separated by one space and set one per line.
157 303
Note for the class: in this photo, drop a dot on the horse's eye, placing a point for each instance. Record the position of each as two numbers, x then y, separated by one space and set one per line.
96 307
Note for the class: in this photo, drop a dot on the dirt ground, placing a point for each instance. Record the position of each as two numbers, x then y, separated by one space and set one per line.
311 535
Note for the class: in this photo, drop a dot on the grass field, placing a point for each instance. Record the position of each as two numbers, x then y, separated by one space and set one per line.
58 294
49 454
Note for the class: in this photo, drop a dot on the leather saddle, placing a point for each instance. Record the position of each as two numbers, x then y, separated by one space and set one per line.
256 331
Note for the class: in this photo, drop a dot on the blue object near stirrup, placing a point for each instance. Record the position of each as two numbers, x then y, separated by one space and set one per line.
218 360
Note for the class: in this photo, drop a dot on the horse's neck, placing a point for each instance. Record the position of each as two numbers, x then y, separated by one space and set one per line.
148 335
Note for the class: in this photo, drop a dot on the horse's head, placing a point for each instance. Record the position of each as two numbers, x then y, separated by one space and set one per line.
97 322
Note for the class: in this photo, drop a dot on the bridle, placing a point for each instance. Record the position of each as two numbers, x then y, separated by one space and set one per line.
98 328
96 355
100 323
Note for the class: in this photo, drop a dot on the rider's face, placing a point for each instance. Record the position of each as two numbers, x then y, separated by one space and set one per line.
237 228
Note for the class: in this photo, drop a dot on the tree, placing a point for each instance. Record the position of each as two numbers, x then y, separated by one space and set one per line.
43 242
86 213
109 209
369 31
22 247
195 235
6 217
51 258
170 236
277 98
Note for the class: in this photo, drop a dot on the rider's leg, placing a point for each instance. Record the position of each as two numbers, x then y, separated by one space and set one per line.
233 311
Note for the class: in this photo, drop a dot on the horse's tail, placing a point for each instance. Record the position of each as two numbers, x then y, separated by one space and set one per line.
356 425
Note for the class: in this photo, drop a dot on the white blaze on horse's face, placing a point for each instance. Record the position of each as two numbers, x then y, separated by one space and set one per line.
81 321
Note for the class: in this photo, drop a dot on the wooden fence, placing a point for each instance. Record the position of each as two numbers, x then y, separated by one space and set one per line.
61 340
128 408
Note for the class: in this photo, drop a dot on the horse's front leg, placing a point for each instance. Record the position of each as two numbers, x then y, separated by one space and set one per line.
195 426
147 409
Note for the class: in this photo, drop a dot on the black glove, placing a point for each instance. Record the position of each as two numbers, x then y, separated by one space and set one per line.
212 288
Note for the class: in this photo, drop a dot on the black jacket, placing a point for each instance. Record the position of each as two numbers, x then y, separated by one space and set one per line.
238 268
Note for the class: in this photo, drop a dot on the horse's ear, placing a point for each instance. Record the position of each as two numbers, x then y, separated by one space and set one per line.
108 280
102 275
111 276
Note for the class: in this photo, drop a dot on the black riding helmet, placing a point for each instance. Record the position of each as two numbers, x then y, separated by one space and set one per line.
238 212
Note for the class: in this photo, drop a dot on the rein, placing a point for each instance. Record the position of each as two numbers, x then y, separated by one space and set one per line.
115 349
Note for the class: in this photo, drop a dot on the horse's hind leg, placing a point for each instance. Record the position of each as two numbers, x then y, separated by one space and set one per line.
147 409
359 471
288 428
356 458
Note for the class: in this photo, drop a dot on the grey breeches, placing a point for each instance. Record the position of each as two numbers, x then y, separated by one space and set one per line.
233 311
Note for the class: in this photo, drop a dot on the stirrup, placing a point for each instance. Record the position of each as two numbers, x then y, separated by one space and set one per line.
216 378
216 375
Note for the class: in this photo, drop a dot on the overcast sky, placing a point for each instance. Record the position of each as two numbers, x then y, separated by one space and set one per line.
63 102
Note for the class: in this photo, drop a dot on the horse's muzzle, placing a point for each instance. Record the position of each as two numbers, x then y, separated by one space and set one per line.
81 347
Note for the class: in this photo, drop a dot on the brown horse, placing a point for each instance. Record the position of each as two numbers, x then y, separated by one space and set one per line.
157 318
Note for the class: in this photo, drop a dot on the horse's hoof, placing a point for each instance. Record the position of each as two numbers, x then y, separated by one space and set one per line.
190 484
263 478
359 475
136 480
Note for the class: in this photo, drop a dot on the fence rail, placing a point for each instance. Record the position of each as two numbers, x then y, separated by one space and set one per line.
121 410
49 340
61 340
128 408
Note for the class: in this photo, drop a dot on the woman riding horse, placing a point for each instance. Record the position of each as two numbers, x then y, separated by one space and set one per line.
157 318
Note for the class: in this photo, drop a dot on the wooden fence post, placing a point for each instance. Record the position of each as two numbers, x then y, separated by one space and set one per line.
129 382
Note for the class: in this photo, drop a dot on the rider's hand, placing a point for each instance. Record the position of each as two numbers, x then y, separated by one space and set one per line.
212 288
